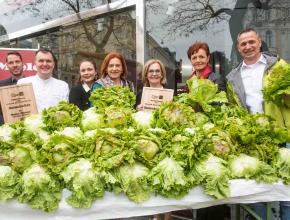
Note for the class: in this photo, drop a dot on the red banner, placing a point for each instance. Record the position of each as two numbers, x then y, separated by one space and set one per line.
28 57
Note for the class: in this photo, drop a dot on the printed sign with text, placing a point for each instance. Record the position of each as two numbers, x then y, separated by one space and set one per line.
153 97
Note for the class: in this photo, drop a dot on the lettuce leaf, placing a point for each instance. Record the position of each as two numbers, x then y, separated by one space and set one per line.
212 173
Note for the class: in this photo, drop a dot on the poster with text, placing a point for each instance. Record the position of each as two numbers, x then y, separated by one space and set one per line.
153 97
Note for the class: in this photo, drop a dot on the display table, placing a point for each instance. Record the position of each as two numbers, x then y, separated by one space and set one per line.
118 206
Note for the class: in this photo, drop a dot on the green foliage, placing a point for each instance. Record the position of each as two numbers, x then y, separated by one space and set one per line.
244 166
118 96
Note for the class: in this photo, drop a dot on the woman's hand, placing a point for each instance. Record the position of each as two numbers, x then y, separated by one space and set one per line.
140 107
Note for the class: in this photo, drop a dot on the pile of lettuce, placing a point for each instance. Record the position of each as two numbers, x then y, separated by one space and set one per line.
201 139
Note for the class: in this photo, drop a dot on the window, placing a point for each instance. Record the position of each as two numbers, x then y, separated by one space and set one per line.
269 38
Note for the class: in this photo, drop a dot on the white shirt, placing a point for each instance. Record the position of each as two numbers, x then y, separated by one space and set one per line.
47 92
252 76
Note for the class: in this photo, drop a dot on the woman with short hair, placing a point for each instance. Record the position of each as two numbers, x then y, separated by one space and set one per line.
199 56
113 72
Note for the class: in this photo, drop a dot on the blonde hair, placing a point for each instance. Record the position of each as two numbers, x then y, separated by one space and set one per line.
146 68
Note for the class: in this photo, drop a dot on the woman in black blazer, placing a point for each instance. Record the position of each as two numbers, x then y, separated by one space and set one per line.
79 94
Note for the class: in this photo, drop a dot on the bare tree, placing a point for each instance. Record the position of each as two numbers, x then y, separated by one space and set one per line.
195 15
75 6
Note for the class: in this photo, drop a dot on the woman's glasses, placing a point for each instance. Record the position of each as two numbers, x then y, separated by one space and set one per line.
157 71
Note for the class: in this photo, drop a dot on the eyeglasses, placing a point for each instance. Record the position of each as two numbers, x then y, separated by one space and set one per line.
157 71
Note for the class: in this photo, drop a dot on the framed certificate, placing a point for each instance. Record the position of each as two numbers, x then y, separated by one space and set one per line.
17 101
153 97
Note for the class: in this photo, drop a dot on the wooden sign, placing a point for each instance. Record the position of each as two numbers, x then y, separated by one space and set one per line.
17 101
153 97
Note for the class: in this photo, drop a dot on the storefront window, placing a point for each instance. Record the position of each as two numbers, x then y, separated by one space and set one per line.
16 15
173 25
92 38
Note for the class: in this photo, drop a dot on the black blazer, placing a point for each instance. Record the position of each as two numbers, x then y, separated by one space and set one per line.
79 97
8 82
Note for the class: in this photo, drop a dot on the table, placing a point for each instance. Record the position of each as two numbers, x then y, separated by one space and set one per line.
118 206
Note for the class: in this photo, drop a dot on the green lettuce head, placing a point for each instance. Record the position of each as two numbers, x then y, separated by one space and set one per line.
8 183
244 166
282 165
85 183
91 120
39 189
22 157
133 181
117 117
61 116
167 178
212 173
171 115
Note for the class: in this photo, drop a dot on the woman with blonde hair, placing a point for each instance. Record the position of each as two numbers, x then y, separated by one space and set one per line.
153 75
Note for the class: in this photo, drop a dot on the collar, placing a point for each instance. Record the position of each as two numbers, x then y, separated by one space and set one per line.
205 73
261 60
86 87
14 80
43 80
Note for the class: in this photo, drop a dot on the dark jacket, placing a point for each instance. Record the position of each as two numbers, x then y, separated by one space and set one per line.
79 97
8 82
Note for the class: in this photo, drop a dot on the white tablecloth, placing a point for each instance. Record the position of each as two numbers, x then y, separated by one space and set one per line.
118 206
